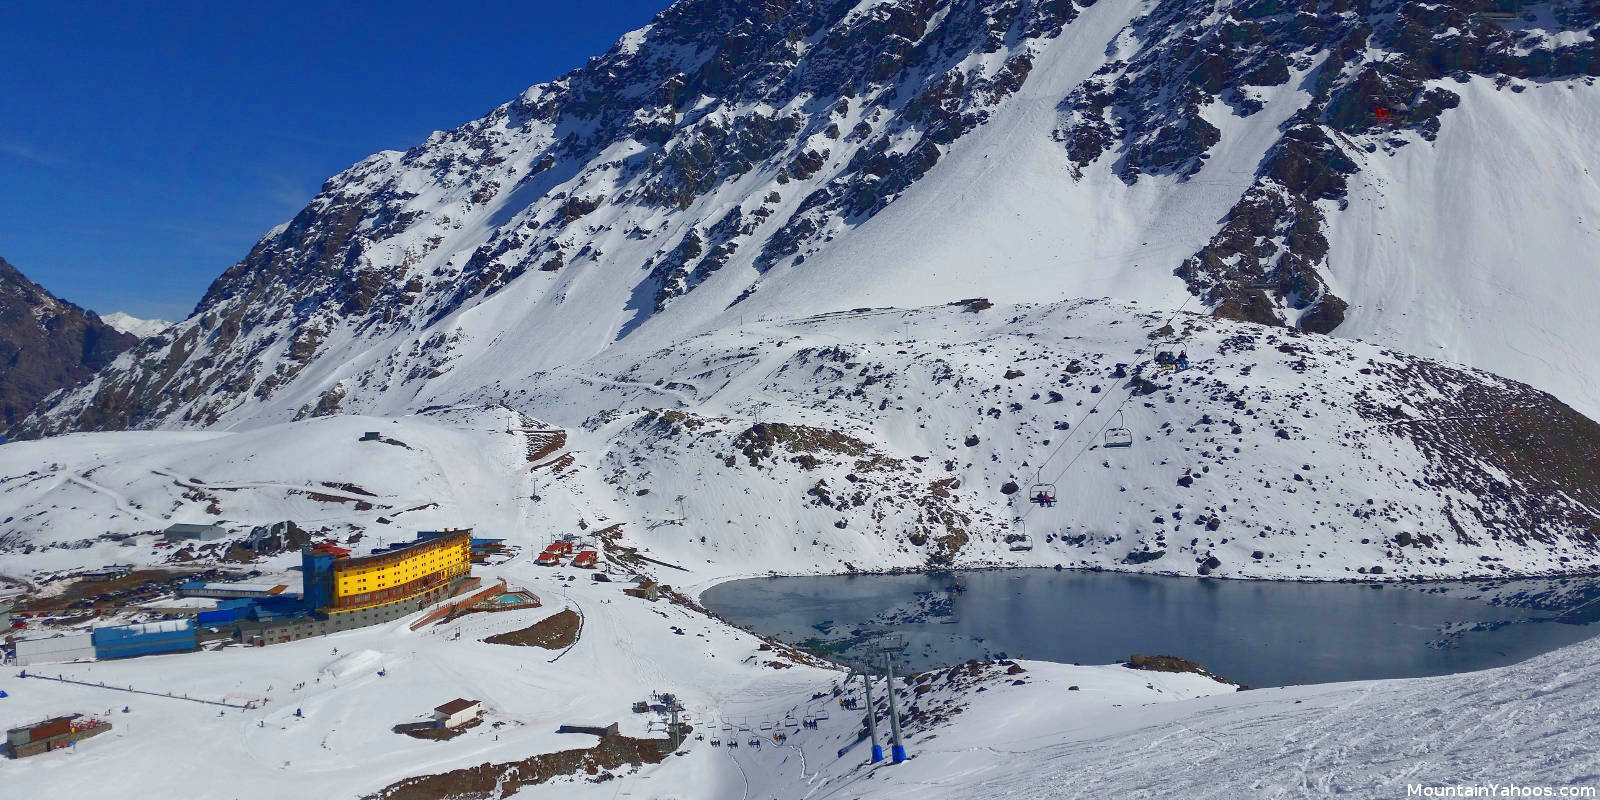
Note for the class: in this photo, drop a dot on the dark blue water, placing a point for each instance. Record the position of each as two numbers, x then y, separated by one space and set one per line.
1260 633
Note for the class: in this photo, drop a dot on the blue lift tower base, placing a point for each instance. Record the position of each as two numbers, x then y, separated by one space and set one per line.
899 754
877 753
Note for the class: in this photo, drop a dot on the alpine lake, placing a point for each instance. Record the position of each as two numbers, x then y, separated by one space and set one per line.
1258 633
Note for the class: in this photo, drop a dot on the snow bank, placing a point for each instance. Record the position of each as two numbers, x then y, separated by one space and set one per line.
359 662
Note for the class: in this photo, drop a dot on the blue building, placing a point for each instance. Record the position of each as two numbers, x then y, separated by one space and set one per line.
150 638
316 565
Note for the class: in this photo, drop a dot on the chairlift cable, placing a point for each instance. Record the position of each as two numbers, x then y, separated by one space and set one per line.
1087 444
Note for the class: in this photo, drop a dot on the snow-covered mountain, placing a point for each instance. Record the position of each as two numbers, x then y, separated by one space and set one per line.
46 344
632 250
1415 173
812 286
880 439
142 328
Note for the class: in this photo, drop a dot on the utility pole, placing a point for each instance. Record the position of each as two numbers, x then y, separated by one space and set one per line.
899 749
683 519
872 719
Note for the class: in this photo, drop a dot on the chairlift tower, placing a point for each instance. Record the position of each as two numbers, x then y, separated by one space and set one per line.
888 646
872 718
673 707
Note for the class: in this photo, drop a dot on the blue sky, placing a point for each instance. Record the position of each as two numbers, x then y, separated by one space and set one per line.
144 147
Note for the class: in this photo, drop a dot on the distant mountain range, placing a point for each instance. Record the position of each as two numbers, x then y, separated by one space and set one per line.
46 344
142 328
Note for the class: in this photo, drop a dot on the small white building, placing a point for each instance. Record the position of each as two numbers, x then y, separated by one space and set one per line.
457 712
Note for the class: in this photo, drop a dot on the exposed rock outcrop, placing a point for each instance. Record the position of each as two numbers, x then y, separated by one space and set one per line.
46 344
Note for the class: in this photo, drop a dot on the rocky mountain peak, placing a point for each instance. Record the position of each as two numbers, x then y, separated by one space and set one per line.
46 344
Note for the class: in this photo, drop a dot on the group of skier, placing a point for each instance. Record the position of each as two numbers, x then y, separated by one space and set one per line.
1165 360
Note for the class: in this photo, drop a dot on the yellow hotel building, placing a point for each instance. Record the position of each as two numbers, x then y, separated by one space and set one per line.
400 573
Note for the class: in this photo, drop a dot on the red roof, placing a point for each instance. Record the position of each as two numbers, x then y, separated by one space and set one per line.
456 706
329 548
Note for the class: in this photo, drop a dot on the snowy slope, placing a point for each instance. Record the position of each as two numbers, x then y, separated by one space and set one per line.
1483 246
879 439
890 439
444 469
1522 726
1002 217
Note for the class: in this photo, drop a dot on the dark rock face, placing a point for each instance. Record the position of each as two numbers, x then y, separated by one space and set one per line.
279 537
46 344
